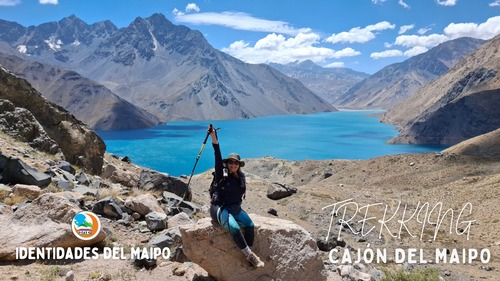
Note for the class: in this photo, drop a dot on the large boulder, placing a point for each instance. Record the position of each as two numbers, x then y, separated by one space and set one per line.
29 191
20 123
152 180
16 171
46 222
143 204
80 145
288 250
278 191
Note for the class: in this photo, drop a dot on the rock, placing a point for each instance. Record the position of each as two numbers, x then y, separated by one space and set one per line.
108 170
273 212
486 267
156 221
341 242
28 191
20 124
28 226
123 177
172 200
16 171
350 273
161 241
179 220
127 160
143 204
328 173
65 166
65 185
23 204
3 161
145 263
152 180
82 179
326 246
278 191
84 190
179 255
289 252
70 276
108 207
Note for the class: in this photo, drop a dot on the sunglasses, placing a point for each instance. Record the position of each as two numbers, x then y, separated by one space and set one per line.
234 162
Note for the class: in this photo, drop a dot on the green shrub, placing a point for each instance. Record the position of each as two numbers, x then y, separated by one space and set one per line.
427 274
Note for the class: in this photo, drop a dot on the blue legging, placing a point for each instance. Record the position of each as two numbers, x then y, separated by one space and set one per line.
233 224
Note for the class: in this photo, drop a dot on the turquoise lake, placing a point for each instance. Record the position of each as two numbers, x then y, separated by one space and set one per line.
172 148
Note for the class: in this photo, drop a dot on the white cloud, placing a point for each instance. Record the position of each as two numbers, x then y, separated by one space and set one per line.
403 29
446 2
10 2
176 12
335 65
386 54
276 48
359 35
402 3
485 30
411 41
388 45
378 1
51 2
415 51
423 30
192 7
495 4
240 21
346 52
420 44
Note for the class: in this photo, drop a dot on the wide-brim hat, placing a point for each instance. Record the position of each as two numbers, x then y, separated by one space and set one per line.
234 156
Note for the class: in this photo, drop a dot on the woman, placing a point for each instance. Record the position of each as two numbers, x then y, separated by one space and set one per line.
225 207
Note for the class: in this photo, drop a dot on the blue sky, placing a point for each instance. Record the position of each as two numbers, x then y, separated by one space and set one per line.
364 35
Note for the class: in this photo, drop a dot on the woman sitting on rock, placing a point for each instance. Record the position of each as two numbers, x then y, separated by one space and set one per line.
225 207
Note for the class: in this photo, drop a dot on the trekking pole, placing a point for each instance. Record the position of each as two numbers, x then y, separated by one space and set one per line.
199 155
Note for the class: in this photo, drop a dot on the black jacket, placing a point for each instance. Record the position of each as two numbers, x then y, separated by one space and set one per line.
230 190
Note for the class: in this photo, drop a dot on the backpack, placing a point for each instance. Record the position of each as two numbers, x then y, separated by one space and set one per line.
214 184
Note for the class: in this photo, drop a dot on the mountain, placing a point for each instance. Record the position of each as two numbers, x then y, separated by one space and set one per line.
459 105
170 71
80 145
328 83
399 81
87 100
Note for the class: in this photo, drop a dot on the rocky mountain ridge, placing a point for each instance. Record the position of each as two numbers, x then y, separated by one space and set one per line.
328 83
77 142
457 106
87 100
399 81
170 71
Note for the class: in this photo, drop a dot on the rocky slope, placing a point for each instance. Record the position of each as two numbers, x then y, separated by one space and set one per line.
450 178
87 100
79 144
328 83
171 71
399 81
459 105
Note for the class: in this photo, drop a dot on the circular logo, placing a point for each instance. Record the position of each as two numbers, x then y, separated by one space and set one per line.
86 225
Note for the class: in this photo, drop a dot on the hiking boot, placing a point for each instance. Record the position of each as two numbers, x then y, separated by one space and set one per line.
254 260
